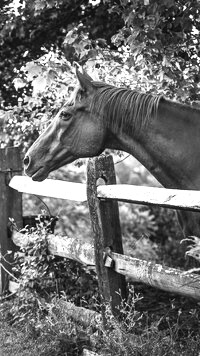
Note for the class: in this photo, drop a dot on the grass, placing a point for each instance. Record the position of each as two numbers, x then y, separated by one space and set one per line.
15 341
170 327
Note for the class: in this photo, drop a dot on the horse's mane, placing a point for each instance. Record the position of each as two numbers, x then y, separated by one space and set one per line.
121 107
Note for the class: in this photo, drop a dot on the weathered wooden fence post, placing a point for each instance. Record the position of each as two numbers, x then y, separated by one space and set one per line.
107 232
10 207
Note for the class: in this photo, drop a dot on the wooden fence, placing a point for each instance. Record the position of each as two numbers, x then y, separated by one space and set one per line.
106 253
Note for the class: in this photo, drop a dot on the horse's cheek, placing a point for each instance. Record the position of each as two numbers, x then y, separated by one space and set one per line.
91 140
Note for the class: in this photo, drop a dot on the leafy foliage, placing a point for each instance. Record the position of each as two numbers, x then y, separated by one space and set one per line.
42 276
163 37
29 28
138 226
147 45
158 39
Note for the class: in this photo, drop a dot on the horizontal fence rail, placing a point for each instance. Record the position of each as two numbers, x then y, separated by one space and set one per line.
155 275
167 198
52 188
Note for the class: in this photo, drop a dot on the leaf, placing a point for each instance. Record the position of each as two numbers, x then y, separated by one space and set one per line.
39 85
168 3
51 3
51 76
40 5
19 83
161 76
165 62
32 69
70 37
2 117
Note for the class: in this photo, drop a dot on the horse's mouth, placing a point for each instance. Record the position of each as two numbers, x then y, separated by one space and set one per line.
40 174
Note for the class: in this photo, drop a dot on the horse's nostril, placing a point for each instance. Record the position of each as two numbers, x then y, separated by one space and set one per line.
26 161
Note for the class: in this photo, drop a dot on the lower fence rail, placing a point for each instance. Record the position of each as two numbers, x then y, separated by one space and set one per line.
168 279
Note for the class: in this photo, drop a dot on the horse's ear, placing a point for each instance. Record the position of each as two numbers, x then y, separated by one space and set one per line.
84 79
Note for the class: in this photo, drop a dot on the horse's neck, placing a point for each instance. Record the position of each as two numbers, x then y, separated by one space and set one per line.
169 147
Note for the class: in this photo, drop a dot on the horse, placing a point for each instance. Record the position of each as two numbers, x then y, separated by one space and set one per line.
163 135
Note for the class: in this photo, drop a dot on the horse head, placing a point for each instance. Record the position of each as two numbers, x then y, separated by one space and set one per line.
75 132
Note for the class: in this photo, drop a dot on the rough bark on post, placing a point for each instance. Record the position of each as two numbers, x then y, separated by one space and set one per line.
107 232
10 207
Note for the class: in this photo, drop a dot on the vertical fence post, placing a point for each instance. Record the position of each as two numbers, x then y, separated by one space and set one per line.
107 232
10 207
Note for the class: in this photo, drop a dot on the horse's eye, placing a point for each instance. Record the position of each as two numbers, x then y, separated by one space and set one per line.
66 116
